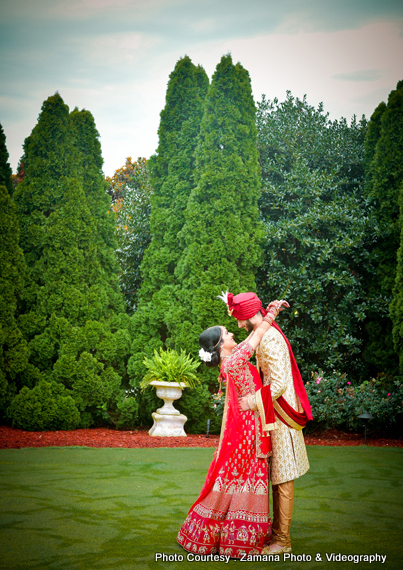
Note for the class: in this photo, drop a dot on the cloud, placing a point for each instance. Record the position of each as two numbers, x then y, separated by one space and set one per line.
207 24
118 50
114 57
362 75
312 64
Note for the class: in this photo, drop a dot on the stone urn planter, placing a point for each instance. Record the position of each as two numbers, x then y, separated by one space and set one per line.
168 421
170 372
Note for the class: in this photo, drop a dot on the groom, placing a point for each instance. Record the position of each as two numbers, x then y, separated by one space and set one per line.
283 385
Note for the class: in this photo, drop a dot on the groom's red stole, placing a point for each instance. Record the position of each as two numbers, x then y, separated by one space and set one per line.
282 409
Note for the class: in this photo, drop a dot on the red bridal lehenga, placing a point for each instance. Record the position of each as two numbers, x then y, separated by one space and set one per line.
231 515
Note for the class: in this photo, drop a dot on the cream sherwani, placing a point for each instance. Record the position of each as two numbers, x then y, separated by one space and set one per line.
289 460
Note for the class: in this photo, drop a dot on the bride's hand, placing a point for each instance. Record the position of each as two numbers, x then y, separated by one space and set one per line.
244 403
278 305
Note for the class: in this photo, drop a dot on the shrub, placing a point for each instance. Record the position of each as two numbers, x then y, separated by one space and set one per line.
197 406
128 410
336 402
71 310
47 406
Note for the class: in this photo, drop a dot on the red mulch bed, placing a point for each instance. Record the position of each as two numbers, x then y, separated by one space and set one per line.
98 437
335 437
11 438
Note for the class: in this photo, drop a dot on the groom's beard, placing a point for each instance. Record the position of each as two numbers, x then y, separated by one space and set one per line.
249 326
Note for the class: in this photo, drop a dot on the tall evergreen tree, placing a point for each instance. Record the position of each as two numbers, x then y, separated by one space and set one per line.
86 141
172 178
220 238
172 174
5 168
317 224
222 234
371 139
13 348
396 309
384 176
72 312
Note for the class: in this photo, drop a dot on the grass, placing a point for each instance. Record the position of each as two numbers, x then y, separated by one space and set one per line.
92 509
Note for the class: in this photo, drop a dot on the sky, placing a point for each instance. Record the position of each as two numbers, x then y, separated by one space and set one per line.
114 57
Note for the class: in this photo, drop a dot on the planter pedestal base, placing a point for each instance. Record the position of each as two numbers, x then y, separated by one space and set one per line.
168 421
167 425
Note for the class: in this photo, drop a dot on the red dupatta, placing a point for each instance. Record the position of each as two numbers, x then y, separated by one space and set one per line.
282 409
298 385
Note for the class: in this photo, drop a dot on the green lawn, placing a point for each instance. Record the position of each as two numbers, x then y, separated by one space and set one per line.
89 509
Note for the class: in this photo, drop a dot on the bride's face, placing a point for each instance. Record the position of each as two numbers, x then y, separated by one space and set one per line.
228 341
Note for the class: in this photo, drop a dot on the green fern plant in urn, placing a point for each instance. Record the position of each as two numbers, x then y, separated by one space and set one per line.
170 372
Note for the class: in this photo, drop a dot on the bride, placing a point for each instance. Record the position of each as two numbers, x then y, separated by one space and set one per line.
231 516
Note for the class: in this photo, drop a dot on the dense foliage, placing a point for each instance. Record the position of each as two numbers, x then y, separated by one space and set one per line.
396 309
130 190
172 177
47 406
205 206
222 234
381 188
318 227
5 168
72 312
13 348
384 180
310 208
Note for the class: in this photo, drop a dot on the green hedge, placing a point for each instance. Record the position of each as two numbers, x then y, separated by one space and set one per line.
47 406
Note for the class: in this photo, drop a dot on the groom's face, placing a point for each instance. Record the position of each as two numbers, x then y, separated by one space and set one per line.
247 325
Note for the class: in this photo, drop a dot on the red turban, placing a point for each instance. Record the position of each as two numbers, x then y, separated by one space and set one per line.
244 306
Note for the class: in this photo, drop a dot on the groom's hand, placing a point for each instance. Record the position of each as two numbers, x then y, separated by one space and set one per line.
244 404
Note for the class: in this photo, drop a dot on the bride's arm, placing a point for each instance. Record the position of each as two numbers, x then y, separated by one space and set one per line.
272 311
258 333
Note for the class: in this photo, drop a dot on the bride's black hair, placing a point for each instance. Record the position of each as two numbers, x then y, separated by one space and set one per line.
210 340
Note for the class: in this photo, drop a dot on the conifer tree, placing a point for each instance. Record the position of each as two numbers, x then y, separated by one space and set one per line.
384 176
220 237
5 168
171 177
13 348
222 233
396 309
72 311
172 173
371 139
86 141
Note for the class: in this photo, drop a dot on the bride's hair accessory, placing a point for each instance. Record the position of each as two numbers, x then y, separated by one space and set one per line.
204 355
